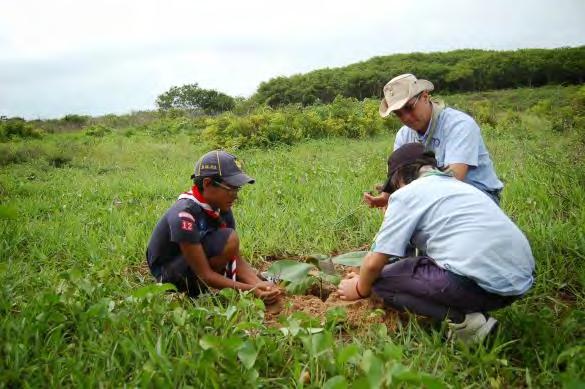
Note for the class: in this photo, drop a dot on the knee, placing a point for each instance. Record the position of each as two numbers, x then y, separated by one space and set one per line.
383 290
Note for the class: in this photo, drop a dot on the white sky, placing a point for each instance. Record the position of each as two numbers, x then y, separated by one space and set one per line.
114 56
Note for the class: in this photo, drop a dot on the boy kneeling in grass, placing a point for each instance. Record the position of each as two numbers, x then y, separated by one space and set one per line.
477 260
195 244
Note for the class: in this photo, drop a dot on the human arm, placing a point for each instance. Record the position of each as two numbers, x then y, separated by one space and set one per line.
265 290
199 264
459 170
462 146
378 201
197 261
357 287
399 225
381 200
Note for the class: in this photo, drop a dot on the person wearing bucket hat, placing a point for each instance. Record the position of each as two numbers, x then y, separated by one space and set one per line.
195 245
477 260
453 135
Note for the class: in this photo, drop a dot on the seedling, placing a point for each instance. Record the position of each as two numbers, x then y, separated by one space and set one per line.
299 277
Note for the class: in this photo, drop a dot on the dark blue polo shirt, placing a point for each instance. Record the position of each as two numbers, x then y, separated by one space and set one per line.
184 222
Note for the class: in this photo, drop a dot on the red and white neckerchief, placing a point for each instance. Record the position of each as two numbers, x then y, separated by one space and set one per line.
197 197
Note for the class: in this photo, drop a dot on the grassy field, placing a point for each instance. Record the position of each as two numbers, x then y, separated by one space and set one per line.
77 211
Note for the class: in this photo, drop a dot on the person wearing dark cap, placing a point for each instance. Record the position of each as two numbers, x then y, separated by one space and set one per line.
453 135
477 260
195 245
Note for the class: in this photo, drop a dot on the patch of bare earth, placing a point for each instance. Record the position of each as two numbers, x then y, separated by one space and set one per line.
360 313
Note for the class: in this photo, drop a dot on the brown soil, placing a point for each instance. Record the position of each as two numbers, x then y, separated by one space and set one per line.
360 313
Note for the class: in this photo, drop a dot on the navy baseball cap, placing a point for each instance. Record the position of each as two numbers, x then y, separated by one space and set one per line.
222 164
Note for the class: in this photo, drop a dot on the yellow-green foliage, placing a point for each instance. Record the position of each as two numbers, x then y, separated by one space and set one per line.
17 128
345 117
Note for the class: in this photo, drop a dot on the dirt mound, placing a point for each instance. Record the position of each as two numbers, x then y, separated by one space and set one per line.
360 313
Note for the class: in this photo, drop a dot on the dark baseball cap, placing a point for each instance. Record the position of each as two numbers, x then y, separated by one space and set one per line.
225 165
402 156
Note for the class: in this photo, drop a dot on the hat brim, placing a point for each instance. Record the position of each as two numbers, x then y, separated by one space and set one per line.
238 179
421 86
386 110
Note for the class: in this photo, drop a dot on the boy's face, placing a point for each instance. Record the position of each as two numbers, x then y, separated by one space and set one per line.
219 194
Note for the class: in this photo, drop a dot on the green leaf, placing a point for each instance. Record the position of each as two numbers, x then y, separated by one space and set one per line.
294 331
330 278
318 344
289 270
247 354
153 289
431 382
347 353
335 315
301 286
209 341
354 258
372 366
392 351
337 382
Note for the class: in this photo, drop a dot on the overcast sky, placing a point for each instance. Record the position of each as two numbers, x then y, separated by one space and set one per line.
115 56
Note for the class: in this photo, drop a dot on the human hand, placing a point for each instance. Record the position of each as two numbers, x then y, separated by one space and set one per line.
372 201
347 288
267 292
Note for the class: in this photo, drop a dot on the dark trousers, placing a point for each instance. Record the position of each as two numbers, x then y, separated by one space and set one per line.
177 271
418 285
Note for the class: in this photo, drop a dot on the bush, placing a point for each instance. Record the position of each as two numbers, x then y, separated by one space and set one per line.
76 120
563 119
23 153
17 128
167 126
98 130
484 112
265 126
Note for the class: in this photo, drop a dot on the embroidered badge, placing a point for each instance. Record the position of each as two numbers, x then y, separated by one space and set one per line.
186 225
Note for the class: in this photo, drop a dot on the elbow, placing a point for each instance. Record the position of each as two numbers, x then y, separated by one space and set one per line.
373 263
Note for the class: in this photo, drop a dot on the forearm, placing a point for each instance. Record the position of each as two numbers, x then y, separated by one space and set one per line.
218 281
245 272
370 271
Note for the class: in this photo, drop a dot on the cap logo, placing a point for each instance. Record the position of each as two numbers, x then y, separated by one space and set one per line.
208 166
238 164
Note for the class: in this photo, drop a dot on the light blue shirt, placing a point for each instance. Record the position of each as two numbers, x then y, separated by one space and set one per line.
462 229
457 139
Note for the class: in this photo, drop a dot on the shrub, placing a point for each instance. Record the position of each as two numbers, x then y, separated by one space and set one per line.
97 130
484 112
563 119
266 127
17 128
76 120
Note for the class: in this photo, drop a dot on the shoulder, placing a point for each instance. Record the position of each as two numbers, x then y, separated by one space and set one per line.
453 122
404 135
404 131
452 116
424 189
185 208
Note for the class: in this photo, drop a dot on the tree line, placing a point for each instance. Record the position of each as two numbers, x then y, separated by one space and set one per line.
453 71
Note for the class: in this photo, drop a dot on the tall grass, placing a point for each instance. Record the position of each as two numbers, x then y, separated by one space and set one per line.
78 307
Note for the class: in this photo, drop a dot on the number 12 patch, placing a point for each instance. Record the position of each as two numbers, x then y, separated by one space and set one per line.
186 225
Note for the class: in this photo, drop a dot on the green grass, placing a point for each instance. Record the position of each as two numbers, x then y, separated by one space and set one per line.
73 235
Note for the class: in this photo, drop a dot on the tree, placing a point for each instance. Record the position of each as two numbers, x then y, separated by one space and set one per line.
192 98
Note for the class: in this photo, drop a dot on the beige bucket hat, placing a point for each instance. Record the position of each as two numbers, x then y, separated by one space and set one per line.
399 90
